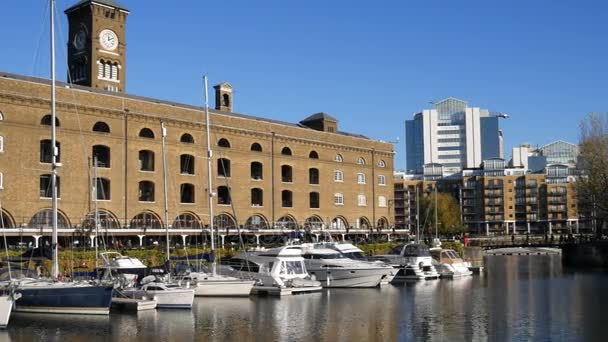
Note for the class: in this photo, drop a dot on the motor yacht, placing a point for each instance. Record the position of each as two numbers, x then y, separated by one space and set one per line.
353 252
207 283
449 264
413 260
166 295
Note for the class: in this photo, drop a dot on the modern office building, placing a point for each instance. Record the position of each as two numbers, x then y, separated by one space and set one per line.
537 159
453 135
268 174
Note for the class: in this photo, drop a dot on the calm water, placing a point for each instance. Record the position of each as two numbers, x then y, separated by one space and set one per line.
518 299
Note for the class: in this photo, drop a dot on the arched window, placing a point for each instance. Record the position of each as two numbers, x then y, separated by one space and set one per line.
338 176
223 167
360 178
256 147
226 100
5 220
186 164
286 151
363 223
44 219
102 189
1 144
313 222
381 201
101 127
224 221
313 155
105 220
257 197
102 154
186 138
146 160
1 116
382 223
339 223
313 200
223 143
186 192
146 133
186 221
286 174
313 176
223 195
46 151
339 158
1 181
286 199
257 171
47 120
146 220
146 191
287 222
360 161
361 200
381 163
46 186
256 222
338 199
381 180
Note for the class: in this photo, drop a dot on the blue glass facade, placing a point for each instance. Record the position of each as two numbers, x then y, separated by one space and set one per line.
490 142
414 145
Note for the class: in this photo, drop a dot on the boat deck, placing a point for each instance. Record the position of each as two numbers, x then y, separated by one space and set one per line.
134 304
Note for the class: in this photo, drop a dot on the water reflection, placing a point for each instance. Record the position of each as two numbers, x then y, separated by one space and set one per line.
518 298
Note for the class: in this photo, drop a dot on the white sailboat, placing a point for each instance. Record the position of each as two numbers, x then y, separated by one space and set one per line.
214 284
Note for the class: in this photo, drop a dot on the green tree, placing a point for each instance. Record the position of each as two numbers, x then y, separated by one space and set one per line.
448 214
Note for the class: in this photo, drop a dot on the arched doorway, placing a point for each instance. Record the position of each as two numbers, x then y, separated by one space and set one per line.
363 223
256 222
186 221
44 219
287 222
313 223
146 220
339 223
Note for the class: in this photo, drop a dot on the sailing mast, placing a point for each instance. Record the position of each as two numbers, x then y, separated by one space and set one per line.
417 216
436 223
163 136
54 164
209 174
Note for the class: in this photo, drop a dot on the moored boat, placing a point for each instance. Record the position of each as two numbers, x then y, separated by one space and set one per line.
449 264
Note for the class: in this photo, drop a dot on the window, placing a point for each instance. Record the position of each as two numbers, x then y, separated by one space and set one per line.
186 192
146 133
338 176
1 143
2 184
102 189
46 151
223 142
102 154
361 200
257 197
223 195
146 191
186 138
339 158
47 120
223 167
313 200
286 174
186 164
381 163
381 201
360 161
146 160
257 171
1 116
338 199
286 199
381 180
107 70
286 151
46 186
313 155
256 147
360 178
313 176
101 127
225 100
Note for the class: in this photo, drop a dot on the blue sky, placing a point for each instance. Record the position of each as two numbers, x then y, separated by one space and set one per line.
371 64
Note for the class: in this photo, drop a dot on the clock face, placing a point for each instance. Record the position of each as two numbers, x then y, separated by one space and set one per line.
80 40
108 40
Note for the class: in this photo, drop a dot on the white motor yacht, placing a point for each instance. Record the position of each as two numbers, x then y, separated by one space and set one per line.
414 260
280 271
208 284
333 269
166 295
449 264
353 252
130 269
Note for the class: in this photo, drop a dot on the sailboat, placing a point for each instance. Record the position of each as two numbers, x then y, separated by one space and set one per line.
8 295
214 284
53 295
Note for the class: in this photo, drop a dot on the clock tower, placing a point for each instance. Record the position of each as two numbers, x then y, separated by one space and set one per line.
97 44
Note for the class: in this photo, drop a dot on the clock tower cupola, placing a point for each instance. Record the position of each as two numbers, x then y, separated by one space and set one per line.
97 44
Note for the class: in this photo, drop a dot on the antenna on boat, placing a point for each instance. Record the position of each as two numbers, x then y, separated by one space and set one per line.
209 175
54 164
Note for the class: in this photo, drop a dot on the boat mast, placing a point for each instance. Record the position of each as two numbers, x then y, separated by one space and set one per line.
55 271
163 136
209 175
95 192
436 223
417 216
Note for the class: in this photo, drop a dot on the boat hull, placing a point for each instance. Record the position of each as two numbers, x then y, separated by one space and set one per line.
93 300
174 299
218 287
6 306
334 277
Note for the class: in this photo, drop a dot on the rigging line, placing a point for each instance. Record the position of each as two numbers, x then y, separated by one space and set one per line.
41 34
5 243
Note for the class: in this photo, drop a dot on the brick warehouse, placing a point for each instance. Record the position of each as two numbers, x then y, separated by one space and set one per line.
269 176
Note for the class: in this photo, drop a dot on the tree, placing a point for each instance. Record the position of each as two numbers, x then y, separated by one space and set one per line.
448 214
592 164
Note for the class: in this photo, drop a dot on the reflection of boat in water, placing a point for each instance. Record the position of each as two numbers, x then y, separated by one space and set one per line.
333 269
281 271
449 264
